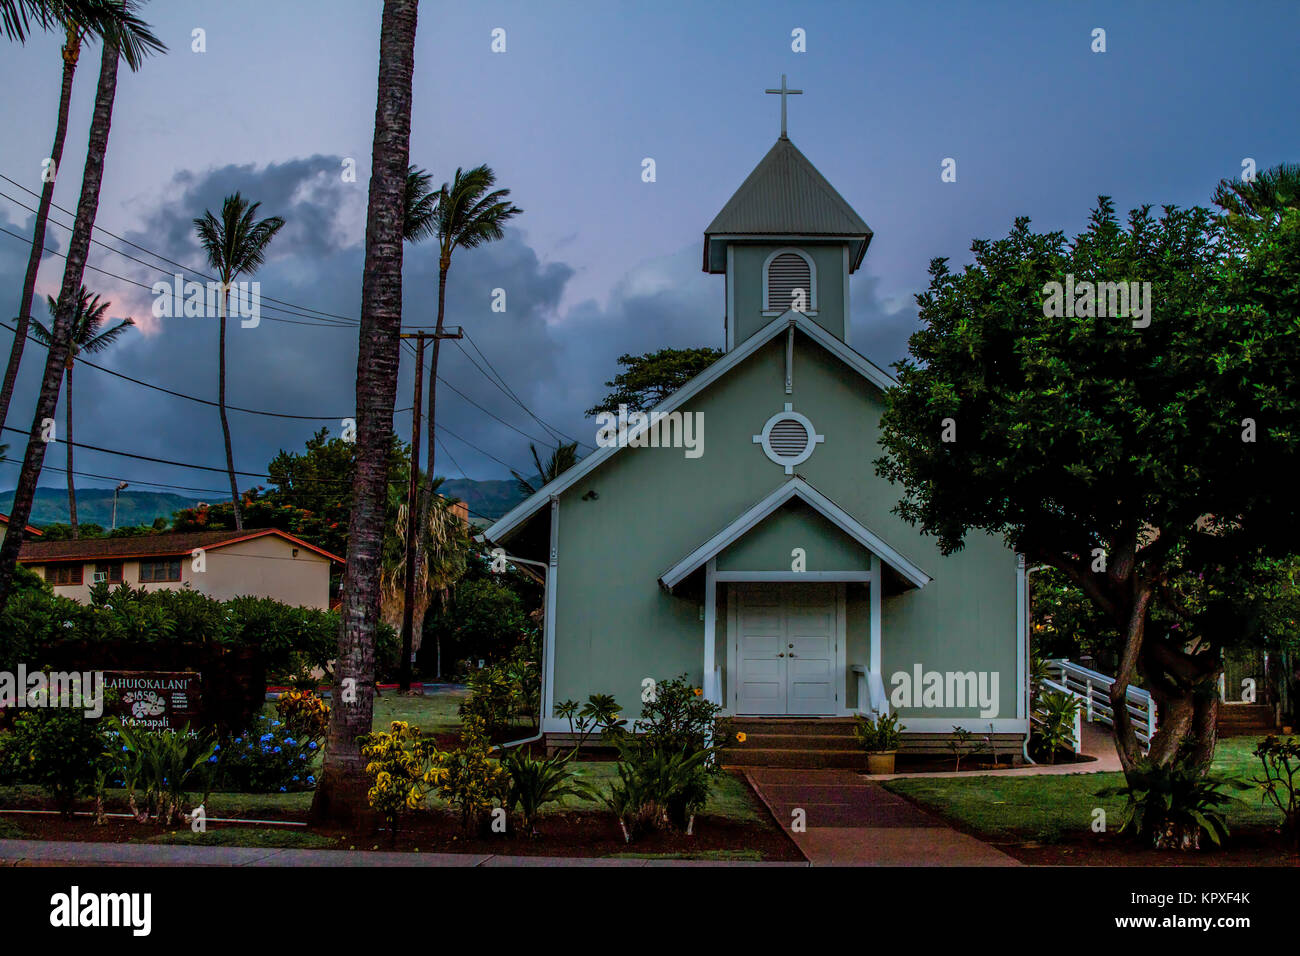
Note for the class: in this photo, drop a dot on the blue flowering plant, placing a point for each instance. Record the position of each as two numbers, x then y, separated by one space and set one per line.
268 758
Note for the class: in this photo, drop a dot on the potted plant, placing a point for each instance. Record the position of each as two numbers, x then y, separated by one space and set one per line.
879 737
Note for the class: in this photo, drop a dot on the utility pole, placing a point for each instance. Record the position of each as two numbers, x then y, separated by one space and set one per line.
413 512
119 487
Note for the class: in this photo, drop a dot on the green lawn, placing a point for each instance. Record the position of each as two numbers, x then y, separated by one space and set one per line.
1042 808
432 713
275 838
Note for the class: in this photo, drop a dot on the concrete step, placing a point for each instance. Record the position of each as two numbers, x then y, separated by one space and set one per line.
787 726
770 741
796 759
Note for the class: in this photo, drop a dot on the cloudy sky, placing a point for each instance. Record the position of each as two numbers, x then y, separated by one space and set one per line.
600 263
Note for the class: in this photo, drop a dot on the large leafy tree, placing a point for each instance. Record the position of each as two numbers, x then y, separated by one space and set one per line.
235 245
87 334
77 20
341 794
650 378
1131 459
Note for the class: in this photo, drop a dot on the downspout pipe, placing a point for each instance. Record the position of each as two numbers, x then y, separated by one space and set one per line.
1029 658
541 702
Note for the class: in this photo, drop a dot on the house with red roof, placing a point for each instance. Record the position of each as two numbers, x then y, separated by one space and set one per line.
263 562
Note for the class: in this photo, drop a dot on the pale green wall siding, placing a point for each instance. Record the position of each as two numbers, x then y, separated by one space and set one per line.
616 626
769 546
748 279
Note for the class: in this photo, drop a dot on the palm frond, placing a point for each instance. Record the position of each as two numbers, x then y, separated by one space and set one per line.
102 18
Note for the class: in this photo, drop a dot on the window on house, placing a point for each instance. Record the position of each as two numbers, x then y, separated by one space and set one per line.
109 572
62 574
152 572
789 283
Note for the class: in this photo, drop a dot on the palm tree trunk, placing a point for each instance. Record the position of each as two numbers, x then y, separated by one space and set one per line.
341 795
67 438
426 496
56 357
70 52
221 407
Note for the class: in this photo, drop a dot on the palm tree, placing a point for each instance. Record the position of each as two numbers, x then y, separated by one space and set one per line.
236 245
562 459
445 543
1263 197
77 20
74 269
99 17
468 214
87 335
341 794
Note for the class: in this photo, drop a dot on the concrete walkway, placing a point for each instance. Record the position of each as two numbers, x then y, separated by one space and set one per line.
850 820
70 853
1098 742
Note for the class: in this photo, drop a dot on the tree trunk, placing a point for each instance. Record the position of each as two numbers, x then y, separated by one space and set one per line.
67 438
221 408
71 51
426 496
341 795
56 356
1133 626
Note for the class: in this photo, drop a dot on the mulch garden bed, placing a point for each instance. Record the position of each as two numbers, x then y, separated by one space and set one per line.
562 834
1247 846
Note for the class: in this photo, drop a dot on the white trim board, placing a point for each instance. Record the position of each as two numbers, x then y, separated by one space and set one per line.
794 487
860 364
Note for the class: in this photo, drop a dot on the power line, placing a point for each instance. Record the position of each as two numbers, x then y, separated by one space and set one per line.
194 398
122 278
98 228
504 386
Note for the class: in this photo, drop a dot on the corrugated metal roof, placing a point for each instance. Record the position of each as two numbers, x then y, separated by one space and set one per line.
786 194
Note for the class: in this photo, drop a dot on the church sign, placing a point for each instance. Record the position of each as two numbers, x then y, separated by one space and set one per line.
155 700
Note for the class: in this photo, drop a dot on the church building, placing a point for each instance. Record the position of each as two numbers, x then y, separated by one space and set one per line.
763 558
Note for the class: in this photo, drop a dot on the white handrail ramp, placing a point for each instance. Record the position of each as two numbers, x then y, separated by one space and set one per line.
1094 688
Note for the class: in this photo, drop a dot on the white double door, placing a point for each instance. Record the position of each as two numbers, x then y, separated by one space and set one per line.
786 645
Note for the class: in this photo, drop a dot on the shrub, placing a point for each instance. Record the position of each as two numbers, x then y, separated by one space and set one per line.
679 717
505 691
658 789
1053 730
168 764
533 783
471 781
304 714
878 734
58 749
1170 805
402 766
961 745
1281 764
268 758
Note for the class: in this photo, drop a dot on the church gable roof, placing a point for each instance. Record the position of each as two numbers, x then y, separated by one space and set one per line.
786 195
511 522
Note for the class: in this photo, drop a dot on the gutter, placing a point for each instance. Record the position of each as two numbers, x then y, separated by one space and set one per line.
1029 658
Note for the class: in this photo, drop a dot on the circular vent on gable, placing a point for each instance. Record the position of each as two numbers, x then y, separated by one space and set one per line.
788 438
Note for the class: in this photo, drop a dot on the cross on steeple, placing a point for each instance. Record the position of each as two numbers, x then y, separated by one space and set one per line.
784 91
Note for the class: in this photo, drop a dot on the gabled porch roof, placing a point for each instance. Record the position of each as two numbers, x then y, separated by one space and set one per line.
795 487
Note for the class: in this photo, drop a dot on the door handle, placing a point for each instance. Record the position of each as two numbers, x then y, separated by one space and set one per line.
780 655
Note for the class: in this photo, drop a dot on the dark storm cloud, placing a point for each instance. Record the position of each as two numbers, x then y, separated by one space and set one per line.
555 363
554 357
